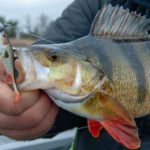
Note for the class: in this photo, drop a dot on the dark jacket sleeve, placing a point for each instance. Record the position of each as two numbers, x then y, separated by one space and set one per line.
140 6
74 23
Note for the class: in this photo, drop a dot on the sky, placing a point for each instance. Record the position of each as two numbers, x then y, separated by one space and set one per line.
20 9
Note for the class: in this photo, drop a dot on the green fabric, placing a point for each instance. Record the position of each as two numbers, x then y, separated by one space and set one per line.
72 146
73 142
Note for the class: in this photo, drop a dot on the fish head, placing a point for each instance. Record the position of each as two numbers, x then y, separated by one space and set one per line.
60 70
70 78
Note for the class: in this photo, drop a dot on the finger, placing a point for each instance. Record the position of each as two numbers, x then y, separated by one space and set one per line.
29 118
37 131
7 105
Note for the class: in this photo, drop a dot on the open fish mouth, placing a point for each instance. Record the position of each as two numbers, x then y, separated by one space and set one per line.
58 95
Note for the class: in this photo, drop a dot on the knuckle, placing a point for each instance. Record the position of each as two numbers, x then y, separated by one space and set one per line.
35 119
45 127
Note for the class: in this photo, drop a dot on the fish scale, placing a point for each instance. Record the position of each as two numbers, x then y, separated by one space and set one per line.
130 81
143 52
123 76
117 67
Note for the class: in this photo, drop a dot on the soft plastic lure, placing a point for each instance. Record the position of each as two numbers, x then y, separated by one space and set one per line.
8 60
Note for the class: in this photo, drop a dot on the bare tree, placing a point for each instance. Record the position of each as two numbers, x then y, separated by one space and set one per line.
28 23
43 22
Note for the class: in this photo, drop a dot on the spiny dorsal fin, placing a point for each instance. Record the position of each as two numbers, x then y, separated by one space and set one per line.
118 23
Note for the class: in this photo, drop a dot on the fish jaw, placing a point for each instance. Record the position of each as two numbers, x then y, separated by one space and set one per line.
69 103
86 105
35 75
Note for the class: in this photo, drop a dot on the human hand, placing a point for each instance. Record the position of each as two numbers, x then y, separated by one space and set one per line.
32 117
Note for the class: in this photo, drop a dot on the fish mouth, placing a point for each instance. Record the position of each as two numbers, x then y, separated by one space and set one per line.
58 95
35 75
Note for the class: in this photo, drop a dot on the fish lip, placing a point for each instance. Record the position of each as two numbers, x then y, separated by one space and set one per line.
25 58
71 102
70 98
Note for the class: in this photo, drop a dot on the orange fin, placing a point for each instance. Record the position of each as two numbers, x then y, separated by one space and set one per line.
114 106
123 132
94 127
122 126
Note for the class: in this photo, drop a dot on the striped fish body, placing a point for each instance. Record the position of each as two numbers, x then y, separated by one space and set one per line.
103 76
132 79
126 64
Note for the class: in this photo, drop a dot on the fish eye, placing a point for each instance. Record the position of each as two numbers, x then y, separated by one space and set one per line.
54 57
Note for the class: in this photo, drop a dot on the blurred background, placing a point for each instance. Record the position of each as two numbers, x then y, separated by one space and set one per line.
31 16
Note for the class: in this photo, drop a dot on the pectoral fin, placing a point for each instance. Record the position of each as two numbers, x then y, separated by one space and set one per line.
122 127
114 106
